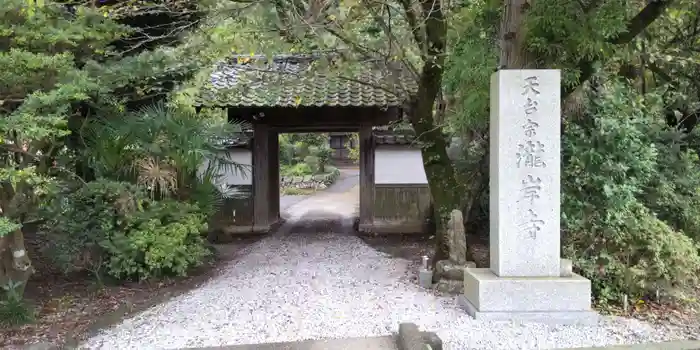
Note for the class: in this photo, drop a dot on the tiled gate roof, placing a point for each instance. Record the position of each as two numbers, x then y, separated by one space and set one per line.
292 81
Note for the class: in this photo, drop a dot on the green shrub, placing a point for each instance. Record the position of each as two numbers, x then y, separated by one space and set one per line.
323 155
14 311
313 163
286 150
674 194
612 161
114 227
300 169
164 239
332 174
301 150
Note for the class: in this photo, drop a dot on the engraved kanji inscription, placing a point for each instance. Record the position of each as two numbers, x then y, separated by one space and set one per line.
531 189
530 128
530 106
530 155
531 86
530 224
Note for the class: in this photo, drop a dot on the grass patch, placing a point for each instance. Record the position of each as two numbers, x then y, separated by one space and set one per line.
293 191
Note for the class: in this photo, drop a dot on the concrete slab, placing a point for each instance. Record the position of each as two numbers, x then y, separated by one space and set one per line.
372 343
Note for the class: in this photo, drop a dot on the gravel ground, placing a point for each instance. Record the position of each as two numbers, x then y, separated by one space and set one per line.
314 279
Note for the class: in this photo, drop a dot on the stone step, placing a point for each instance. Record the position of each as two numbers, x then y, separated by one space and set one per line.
409 337
674 345
379 343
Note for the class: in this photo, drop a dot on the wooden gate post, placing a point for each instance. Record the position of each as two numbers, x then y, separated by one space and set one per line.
274 175
261 178
366 177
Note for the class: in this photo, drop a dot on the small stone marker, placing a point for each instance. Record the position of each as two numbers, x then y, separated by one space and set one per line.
457 238
451 272
525 278
425 275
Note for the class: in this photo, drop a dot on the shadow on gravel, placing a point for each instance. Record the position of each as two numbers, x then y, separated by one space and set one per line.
319 223
409 246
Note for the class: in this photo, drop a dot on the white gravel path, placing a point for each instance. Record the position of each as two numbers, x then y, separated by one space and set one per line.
293 286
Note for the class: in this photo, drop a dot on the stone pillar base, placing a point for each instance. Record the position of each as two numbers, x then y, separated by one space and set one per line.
553 300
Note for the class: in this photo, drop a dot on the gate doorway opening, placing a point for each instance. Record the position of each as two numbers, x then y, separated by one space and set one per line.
319 184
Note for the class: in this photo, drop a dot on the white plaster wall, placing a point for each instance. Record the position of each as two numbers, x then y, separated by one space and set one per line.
228 177
398 165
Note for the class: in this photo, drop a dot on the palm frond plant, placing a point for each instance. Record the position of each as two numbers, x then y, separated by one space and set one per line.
157 177
171 152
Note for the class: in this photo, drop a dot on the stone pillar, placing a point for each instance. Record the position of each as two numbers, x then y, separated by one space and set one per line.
525 147
366 177
261 178
274 176
524 281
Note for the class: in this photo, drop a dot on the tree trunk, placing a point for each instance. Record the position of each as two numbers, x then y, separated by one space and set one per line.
15 266
444 188
439 169
513 37
476 183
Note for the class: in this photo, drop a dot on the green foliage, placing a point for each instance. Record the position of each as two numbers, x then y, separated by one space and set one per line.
39 83
79 219
470 65
332 173
673 195
613 165
164 239
301 150
7 226
631 194
352 145
313 163
117 228
630 182
311 149
309 139
322 154
60 65
14 311
286 150
294 191
170 151
299 169
42 51
473 57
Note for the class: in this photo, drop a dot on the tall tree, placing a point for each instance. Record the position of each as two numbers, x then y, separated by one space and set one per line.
60 65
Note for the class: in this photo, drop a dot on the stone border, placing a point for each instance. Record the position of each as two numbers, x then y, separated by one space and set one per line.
317 182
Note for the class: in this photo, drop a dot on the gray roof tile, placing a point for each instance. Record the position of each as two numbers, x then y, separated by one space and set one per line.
291 81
